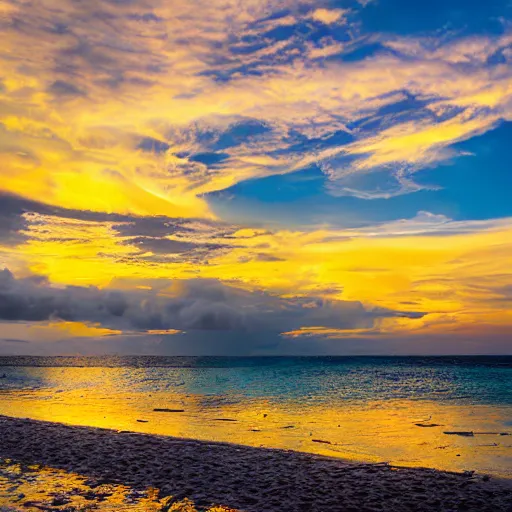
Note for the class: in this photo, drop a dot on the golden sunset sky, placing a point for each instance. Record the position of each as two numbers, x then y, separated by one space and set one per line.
255 177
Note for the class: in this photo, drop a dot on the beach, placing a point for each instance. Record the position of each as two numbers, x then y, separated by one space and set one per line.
371 410
255 435
242 477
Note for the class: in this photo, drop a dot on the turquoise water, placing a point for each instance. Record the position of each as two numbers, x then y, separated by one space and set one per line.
393 409
462 380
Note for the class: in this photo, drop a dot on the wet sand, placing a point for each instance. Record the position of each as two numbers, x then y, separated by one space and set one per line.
374 432
245 478
36 488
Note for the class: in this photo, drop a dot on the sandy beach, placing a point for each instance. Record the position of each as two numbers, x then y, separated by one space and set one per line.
244 478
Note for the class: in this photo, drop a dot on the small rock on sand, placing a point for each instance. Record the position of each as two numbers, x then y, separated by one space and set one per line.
168 410
60 500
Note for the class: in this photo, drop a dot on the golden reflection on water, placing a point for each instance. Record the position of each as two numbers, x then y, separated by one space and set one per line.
376 431
32 488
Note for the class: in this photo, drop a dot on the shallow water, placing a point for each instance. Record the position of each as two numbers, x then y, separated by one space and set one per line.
360 408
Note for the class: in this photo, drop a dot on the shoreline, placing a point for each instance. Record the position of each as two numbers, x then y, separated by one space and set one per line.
243 477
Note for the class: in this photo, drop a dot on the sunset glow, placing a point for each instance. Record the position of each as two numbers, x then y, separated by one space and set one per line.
323 177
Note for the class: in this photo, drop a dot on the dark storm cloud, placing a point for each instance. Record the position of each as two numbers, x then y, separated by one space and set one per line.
195 304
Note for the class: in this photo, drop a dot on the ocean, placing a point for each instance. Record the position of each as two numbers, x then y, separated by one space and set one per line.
370 409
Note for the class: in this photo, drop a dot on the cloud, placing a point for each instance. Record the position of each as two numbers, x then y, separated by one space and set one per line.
429 224
196 304
63 89
262 88
107 241
328 16
12 222
122 117
153 145
420 275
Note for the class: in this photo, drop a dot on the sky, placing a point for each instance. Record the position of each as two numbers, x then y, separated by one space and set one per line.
256 177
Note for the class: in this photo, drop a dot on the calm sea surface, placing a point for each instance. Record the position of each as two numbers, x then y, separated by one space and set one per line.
394 409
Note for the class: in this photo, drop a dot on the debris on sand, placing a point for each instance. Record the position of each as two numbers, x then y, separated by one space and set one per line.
492 433
224 419
472 433
169 410
321 441
142 421
59 500
428 425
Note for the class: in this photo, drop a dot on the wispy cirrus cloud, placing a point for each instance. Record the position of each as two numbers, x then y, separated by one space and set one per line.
258 88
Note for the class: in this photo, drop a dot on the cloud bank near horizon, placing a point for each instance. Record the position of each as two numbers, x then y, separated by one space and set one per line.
195 304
